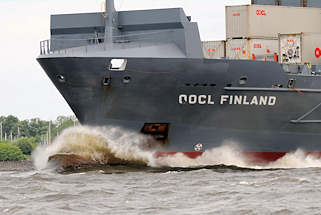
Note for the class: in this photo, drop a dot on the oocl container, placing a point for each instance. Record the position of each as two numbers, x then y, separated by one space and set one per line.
302 48
294 3
265 2
267 21
313 3
254 49
214 49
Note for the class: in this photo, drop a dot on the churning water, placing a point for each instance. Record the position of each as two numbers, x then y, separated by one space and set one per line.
220 181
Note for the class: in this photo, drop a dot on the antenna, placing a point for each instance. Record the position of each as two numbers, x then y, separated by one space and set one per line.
110 7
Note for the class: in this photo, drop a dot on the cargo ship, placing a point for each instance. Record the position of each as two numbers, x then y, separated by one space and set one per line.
145 71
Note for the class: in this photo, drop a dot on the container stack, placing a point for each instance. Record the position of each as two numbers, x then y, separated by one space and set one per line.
271 30
258 32
252 48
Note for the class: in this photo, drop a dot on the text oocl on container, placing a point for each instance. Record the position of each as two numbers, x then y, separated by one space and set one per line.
260 12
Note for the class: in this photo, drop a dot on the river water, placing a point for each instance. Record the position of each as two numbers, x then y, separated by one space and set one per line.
219 182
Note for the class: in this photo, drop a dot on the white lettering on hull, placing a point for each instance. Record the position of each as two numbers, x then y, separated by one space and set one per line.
228 100
195 99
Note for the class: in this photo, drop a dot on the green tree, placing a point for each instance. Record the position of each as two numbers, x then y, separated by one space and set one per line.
24 128
35 128
9 152
63 122
25 145
10 125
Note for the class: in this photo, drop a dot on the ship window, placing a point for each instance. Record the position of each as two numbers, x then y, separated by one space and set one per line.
243 80
213 85
228 85
118 64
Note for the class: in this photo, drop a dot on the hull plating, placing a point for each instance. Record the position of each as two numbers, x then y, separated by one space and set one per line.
203 101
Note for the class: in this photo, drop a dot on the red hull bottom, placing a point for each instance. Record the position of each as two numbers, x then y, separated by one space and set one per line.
256 157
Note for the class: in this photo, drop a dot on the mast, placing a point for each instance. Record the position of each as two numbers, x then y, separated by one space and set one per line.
111 21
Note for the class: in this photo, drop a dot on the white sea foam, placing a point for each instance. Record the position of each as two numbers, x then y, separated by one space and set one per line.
297 159
99 145
228 154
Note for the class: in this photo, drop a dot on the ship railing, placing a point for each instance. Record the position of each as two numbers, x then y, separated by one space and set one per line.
60 45
98 43
45 47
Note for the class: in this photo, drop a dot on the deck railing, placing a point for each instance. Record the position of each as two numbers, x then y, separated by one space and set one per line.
45 47
136 39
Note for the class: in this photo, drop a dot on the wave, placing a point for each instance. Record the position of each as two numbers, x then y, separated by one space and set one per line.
109 145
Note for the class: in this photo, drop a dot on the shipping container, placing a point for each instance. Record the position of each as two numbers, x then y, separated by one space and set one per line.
266 21
266 2
303 48
313 3
214 49
293 3
254 49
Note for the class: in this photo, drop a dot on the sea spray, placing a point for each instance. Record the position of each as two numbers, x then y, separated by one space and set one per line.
96 145
100 145
228 154
297 159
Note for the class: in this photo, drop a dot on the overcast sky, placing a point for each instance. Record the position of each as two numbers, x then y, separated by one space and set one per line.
25 90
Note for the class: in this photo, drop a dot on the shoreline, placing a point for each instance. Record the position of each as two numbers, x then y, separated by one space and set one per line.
25 165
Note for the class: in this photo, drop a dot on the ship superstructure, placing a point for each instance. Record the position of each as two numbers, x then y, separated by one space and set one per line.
145 71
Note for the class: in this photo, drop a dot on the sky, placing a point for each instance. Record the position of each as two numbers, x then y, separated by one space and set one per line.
25 90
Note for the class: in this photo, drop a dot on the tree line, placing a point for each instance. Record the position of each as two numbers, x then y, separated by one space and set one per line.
19 137
12 128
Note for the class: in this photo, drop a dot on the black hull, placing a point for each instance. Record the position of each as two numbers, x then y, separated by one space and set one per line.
153 96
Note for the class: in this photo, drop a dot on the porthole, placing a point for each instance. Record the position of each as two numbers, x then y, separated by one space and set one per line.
213 85
106 81
127 79
243 80
291 83
61 78
196 85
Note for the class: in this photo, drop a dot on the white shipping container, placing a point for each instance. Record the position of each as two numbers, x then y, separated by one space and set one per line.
303 48
267 21
265 2
313 3
214 49
254 49
294 3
